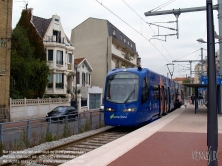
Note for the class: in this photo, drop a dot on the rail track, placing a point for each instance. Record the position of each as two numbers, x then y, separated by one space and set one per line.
62 153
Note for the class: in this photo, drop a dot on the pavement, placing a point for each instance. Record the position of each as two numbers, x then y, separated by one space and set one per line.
177 139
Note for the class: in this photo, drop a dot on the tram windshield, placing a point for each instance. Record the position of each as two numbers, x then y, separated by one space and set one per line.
122 87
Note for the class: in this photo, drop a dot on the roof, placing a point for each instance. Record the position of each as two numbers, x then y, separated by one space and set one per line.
117 35
120 36
181 79
41 24
79 61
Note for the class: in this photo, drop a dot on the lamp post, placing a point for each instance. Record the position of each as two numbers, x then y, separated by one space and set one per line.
212 121
76 66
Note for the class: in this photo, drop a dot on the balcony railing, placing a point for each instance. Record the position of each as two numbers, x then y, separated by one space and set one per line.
60 85
55 39
59 62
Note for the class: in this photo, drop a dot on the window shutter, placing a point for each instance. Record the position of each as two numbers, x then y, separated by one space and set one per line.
77 77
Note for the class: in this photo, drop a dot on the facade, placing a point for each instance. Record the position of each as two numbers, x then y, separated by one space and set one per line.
104 46
60 54
5 52
198 68
89 93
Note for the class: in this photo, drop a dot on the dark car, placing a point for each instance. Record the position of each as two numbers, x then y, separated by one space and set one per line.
60 113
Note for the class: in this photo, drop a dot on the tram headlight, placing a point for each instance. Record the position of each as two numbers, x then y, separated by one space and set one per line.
129 110
110 109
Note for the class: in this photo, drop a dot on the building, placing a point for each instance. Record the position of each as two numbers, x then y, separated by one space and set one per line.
104 46
89 93
198 68
60 54
5 54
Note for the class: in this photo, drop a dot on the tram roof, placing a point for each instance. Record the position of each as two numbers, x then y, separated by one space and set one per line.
194 85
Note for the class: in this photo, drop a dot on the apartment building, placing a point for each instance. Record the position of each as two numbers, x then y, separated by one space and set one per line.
60 54
104 46
198 68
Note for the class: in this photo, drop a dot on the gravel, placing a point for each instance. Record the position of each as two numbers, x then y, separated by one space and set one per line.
15 155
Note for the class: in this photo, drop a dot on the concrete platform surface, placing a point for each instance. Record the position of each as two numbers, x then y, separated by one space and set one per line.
180 138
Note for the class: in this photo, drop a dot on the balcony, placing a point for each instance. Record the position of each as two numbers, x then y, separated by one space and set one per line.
54 39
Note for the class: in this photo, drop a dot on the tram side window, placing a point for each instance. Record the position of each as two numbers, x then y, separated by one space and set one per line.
156 95
144 91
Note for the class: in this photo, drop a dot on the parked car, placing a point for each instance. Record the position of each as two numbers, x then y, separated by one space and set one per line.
60 113
101 108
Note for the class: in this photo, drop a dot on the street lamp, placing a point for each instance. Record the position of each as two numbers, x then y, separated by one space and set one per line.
200 40
76 66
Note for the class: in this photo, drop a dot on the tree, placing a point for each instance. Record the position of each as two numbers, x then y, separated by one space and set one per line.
29 71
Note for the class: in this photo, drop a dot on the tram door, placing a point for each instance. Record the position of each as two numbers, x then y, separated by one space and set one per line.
161 100
168 99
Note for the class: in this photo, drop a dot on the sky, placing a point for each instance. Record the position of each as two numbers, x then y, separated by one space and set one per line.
128 16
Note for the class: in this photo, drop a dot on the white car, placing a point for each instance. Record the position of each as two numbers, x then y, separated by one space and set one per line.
101 108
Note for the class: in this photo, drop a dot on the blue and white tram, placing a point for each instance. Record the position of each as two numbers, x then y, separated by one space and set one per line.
135 96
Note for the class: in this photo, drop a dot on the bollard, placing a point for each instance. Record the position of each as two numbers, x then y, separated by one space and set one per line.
90 121
79 123
28 130
49 124
1 132
100 119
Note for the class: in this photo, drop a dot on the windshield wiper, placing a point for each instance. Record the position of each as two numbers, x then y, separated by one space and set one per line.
129 96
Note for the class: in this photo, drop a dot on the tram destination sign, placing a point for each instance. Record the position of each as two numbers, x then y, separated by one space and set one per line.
204 80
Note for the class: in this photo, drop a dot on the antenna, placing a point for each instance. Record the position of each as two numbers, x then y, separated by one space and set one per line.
25 2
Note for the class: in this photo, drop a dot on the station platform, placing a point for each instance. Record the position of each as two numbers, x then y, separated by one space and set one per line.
179 138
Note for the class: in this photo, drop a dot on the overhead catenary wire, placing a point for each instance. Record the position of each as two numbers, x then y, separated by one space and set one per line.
134 30
163 5
149 26
187 54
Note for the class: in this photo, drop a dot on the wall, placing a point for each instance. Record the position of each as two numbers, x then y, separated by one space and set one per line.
90 41
21 109
5 51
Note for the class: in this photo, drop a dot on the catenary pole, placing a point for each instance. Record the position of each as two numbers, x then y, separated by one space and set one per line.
212 124
220 45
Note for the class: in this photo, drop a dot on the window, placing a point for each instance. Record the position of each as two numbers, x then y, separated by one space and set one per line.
50 78
121 37
89 79
83 79
59 81
69 58
124 40
59 57
113 32
77 78
145 94
56 19
117 64
50 55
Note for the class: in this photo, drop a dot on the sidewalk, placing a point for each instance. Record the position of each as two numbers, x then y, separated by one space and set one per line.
178 139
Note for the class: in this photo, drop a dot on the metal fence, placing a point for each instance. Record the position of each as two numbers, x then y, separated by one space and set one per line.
29 133
4 114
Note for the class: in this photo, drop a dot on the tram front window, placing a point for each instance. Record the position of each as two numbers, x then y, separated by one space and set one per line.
122 87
